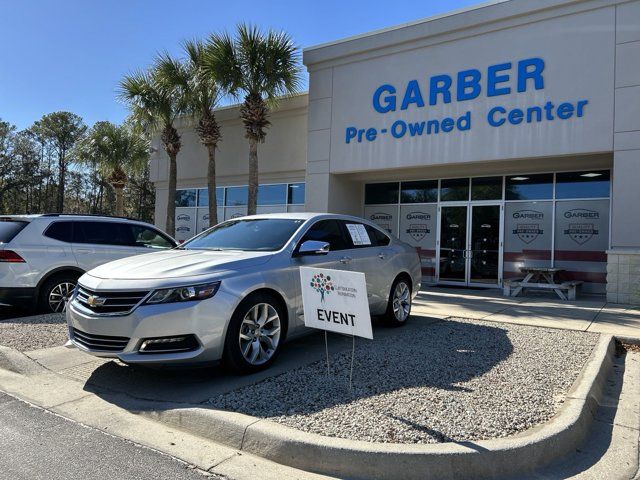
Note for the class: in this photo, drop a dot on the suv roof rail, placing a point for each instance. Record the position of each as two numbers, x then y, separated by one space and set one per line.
88 215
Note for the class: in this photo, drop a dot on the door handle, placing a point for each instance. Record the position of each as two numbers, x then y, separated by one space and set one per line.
345 259
84 250
382 256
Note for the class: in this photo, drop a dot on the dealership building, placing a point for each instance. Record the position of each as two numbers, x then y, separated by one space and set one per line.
492 138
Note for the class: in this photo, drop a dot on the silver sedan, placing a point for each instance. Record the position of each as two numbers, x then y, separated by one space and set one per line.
233 292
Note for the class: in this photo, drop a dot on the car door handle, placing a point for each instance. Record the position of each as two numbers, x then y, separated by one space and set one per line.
84 250
382 256
345 259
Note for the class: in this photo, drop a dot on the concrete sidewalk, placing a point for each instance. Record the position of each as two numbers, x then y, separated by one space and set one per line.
589 313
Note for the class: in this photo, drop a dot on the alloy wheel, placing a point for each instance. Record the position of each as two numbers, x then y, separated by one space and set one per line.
260 334
60 295
401 301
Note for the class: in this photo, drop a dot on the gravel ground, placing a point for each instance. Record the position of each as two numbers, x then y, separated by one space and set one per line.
454 380
32 333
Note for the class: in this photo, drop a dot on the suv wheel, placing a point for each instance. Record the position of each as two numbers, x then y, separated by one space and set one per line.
255 334
399 306
56 292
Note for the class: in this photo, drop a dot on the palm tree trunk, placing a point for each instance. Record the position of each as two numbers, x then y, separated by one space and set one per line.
171 200
119 189
211 184
253 176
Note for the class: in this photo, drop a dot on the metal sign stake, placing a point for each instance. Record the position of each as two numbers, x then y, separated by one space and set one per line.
326 348
353 354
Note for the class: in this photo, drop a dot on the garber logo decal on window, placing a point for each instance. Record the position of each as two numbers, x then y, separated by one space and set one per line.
183 216
581 233
418 231
381 219
322 284
581 213
528 215
183 229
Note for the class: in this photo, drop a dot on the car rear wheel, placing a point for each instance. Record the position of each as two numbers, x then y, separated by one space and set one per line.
255 334
399 306
56 292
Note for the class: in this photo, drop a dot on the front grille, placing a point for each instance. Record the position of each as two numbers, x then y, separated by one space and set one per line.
109 303
100 343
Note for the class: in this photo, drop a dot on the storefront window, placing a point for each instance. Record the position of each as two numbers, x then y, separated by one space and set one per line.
528 234
423 191
203 196
296 194
237 196
590 184
582 239
454 189
381 193
529 187
272 194
186 198
486 188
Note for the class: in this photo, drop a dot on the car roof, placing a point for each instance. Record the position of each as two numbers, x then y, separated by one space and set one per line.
305 216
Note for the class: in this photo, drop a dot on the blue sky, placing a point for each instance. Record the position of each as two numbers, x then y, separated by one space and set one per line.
70 54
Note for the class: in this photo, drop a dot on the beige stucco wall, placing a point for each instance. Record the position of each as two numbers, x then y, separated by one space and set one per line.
282 157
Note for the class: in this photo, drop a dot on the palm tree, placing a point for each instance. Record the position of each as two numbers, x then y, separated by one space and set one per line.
263 67
201 91
154 105
117 151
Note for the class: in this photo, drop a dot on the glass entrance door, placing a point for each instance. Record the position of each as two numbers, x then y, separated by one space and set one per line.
484 244
470 246
453 244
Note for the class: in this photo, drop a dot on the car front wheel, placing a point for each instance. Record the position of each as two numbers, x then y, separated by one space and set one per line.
56 292
255 334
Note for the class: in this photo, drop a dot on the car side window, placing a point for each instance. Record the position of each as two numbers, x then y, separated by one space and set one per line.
149 238
378 238
327 231
373 237
103 233
62 231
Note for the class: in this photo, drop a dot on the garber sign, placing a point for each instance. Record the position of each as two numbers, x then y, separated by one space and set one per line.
336 301
466 85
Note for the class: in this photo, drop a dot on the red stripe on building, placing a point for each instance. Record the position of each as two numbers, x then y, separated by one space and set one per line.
581 256
430 271
527 255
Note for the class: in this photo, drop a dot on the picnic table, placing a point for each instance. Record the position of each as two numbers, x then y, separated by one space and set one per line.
542 278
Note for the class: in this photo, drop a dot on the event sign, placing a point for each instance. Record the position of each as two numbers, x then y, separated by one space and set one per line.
336 300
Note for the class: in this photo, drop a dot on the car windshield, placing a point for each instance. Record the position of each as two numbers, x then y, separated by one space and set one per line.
257 234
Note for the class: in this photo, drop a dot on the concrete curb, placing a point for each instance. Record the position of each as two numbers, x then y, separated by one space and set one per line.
360 460
17 362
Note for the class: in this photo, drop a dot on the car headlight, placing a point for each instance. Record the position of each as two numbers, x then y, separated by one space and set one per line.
183 294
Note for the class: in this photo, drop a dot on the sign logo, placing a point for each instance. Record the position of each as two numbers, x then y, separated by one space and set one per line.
418 231
528 232
322 284
528 215
183 216
205 217
183 229
95 301
418 216
236 215
581 233
581 213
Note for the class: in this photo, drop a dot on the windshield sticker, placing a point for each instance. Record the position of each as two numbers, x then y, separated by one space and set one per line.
359 235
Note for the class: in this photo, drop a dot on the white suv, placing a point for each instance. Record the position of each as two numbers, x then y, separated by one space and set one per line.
42 256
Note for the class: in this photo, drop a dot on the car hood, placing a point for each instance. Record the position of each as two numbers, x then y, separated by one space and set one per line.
179 264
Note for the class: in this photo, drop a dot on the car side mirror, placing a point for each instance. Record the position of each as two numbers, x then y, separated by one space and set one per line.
313 247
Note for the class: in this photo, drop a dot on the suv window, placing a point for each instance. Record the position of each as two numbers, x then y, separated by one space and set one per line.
327 231
375 237
150 238
61 231
103 233
9 229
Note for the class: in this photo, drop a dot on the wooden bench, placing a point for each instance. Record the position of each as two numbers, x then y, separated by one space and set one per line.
565 290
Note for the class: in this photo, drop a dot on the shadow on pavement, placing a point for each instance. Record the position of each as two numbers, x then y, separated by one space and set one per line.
425 352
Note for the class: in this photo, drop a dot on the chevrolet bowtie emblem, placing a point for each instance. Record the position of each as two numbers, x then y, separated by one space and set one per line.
95 301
